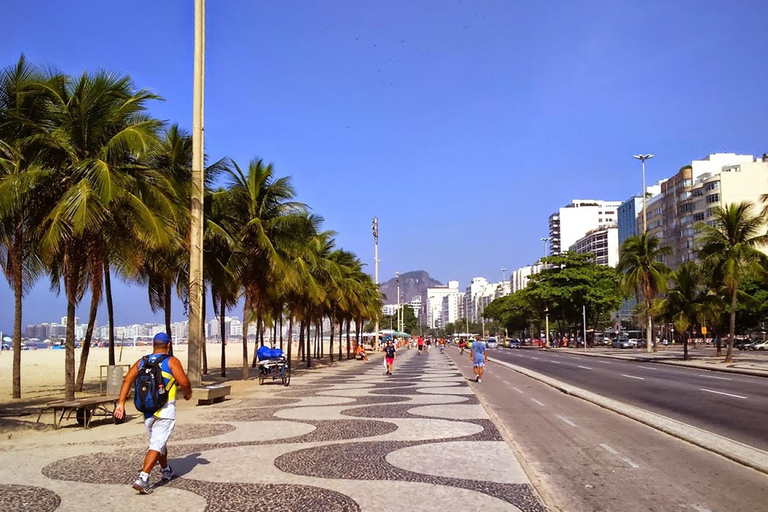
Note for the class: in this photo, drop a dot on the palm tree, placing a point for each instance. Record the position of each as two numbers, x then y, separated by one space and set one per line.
644 274
729 249
102 134
686 302
25 113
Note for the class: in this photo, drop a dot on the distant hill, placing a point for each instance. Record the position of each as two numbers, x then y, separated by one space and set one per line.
412 284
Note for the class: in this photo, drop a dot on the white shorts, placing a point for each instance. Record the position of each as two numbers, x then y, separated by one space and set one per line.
159 430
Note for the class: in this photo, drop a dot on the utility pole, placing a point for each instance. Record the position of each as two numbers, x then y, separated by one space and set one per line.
546 240
397 280
584 319
376 271
196 328
546 333
649 332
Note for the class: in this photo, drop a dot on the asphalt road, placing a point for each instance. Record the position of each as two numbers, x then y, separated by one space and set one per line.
585 458
732 405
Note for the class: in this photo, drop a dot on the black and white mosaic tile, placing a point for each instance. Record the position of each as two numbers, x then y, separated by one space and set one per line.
25 498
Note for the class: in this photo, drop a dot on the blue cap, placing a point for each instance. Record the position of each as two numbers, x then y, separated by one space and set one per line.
161 339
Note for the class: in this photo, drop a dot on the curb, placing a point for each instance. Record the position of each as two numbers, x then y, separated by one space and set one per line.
679 364
739 452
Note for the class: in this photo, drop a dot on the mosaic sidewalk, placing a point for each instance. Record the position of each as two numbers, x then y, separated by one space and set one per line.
335 440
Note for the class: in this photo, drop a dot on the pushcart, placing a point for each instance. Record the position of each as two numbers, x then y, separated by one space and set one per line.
276 368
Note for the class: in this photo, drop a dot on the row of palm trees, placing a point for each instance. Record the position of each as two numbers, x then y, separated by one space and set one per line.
698 293
92 186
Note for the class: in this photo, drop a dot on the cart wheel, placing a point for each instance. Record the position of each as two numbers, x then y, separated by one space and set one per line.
262 378
81 416
286 376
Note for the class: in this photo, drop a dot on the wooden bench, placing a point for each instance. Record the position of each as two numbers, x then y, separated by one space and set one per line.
85 408
208 395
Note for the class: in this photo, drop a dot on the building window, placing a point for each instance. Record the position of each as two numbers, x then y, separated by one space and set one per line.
713 185
698 192
698 217
713 198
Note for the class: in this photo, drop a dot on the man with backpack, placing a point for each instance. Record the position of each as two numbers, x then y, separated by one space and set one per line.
157 377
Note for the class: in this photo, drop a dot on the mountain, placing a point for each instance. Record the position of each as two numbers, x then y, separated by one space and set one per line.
412 284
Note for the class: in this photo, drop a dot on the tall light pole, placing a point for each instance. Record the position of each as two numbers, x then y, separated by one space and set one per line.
397 280
196 321
546 240
649 334
375 227
546 334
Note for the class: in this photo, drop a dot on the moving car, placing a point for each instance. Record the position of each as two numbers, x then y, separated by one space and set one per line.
492 343
621 343
514 344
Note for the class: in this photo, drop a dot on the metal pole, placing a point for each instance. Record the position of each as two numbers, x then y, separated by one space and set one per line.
196 336
645 213
546 333
397 280
584 319
376 270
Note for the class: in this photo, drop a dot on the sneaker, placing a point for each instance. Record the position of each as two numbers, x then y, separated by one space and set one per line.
478 380
142 486
167 474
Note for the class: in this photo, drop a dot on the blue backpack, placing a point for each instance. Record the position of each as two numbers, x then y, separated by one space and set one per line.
149 393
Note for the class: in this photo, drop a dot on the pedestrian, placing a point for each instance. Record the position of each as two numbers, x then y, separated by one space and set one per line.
390 353
420 343
462 345
479 358
429 344
158 401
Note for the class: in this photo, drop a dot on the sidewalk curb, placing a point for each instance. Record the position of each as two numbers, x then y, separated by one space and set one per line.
679 364
743 454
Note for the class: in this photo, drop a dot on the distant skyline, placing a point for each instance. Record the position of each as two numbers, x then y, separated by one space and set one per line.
461 125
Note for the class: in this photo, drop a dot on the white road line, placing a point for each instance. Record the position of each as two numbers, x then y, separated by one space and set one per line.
516 389
505 382
648 368
632 376
556 362
715 377
612 451
721 393
565 420
605 362
536 401
534 358
585 367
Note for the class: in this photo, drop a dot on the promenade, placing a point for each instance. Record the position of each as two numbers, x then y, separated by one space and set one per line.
340 438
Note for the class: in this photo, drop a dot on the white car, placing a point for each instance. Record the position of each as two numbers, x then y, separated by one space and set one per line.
492 343
760 345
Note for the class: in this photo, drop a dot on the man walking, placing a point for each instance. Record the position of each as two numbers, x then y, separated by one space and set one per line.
390 353
479 358
160 422
420 344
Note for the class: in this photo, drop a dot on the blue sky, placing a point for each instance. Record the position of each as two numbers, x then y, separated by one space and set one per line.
461 124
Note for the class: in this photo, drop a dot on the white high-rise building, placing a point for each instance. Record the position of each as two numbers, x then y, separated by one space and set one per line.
478 295
603 242
441 305
520 276
576 219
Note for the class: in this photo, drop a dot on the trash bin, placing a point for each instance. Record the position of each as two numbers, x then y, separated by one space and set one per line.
114 379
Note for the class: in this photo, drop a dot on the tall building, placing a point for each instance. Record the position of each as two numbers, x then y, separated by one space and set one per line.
574 220
693 193
441 305
478 295
520 276
603 243
630 210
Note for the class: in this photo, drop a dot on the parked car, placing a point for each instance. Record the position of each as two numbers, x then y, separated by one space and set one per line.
759 345
739 344
514 343
623 344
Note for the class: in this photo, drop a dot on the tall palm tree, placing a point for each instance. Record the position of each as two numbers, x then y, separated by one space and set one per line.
102 134
686 302
644 274
729 249
25 114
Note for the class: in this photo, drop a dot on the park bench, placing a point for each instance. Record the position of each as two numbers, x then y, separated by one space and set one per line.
214 393
85 409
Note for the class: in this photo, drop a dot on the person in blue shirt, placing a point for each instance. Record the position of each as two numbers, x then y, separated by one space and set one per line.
479 358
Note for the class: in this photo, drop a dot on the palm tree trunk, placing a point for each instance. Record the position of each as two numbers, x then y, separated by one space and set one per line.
308 341
322 352
649 333
273 341
301 353
263 328
110 313
70 285
732 328
87 341
167 309
290 338
15 257
330 350
281 331
349 347
223 327
718 344
246 319
341 335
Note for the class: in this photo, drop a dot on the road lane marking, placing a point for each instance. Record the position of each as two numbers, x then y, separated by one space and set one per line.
648 368
612 451
536 401
715 377
585 367
632 376
556 362
505 382
565 420
518 390
534 358
722 393
605 362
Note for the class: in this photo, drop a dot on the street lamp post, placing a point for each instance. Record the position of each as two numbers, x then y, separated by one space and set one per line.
376 272
397 280
546 332
196 328
649 333
546 240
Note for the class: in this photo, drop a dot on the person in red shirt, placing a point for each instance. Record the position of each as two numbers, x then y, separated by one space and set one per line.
420 343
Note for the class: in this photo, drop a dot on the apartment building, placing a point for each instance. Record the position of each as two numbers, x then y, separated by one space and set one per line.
441 305
519 278
603 242
574 220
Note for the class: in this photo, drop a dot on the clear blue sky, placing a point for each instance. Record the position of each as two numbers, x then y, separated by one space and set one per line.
461 124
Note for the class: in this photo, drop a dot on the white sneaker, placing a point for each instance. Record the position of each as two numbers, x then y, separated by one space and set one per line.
478 380
142 486
167 474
